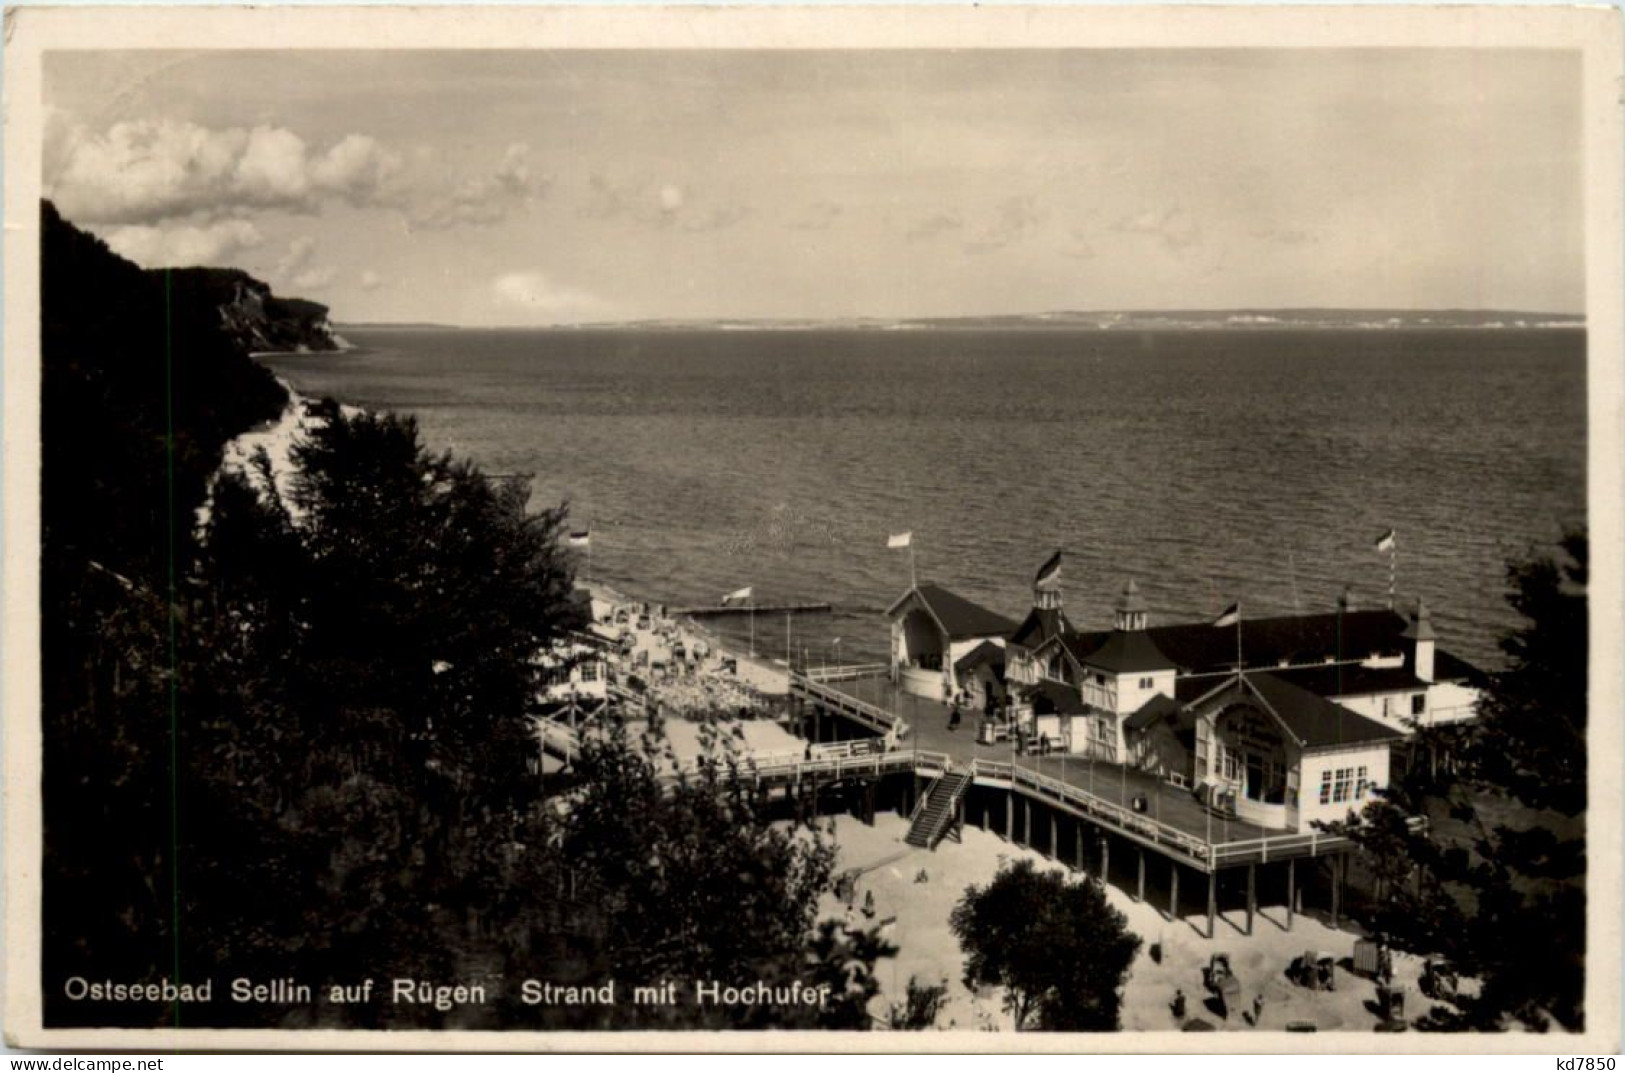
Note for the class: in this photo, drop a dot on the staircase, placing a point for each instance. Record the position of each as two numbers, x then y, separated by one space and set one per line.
935 813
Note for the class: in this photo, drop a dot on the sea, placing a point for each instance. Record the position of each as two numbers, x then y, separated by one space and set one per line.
1209 466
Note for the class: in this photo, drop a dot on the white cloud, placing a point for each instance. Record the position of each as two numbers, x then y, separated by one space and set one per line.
212 244
146 172
357 169
535 293
370 280
483 199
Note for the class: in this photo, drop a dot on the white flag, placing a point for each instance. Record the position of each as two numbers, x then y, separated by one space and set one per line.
900 540
1386 541
736 595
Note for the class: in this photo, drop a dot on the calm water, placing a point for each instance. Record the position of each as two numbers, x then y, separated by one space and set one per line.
1209 466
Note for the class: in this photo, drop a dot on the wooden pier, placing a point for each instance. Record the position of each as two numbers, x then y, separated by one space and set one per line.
874 741
745 609
1096 797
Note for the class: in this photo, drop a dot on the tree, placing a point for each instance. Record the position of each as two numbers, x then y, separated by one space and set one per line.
695 881
358 673
1058 948
1496 880
295 740
1532 720
919 1007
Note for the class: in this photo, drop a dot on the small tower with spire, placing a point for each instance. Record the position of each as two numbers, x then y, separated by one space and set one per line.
1422 638
1131 609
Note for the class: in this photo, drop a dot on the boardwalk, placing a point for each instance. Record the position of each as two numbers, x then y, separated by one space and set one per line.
1112 783
1171 823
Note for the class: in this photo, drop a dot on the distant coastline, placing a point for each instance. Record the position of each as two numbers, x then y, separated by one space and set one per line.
1077 320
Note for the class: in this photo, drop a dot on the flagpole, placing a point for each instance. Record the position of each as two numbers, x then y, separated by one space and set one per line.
1393 570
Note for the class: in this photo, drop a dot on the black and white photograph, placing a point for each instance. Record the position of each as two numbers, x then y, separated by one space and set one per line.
989 529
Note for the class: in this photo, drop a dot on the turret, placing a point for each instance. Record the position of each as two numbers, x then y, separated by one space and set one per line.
1131 609
1421 636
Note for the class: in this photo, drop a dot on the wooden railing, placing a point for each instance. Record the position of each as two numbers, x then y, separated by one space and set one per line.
844 672
872 716
848 759
1315 841
780 767
1127 820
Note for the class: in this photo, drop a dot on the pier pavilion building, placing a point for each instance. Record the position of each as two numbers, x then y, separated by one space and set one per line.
932 631
1282 720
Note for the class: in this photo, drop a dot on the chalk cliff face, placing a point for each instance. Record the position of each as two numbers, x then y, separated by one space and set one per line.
251 314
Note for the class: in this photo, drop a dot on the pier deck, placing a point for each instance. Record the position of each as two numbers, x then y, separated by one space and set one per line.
1174 823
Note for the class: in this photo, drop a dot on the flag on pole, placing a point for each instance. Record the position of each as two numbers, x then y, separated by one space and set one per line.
1049 575
900 540
1229 616
1386 541
736 595
581 538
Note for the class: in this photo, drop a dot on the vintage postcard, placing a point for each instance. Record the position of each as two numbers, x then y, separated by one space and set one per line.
804 528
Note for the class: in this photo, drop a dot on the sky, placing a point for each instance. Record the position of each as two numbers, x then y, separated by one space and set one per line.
568 186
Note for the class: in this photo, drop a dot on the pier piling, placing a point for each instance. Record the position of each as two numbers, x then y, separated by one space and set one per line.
1291 891
1252 895
1337 891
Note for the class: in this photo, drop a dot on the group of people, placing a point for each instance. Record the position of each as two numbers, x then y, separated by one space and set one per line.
682 674
1180 1006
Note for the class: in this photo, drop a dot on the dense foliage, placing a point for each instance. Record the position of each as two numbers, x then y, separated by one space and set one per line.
1496 880
292 740
1058 948
695 882
138 395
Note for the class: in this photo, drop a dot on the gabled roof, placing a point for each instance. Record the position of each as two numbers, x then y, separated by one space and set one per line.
1041 624
1050 697
1296 638
1129 652
1314 722
986 652
1351 679
958 617
1158 708
1448 668
1300 639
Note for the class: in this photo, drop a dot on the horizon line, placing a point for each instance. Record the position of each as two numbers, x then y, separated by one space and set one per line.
1061 317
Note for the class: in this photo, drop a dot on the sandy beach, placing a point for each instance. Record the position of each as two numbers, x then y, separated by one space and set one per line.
929 951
